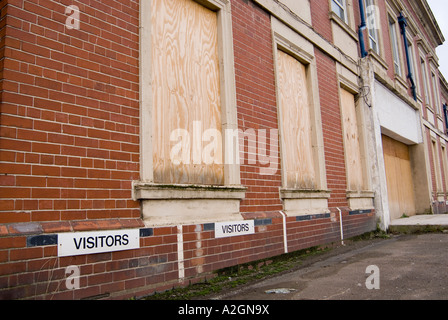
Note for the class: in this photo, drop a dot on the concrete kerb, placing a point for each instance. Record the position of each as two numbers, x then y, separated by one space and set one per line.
420 224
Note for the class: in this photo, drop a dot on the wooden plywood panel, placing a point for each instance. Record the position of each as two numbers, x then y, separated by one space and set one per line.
392 189
296 129
186 91
400 186
436 162
353 160
407 187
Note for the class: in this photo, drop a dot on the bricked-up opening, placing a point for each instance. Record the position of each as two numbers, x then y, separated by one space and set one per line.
187 110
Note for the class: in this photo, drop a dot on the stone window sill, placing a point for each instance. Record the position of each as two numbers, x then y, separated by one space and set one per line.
151 191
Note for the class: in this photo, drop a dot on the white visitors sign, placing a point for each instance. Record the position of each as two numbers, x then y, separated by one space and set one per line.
78 243
234 228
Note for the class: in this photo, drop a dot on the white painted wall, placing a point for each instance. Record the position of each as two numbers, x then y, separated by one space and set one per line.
397 119
299 7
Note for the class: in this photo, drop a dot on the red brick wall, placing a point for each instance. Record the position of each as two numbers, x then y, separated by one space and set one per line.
385 35
256 100
332 129
319 17
69 114
31 268
70 151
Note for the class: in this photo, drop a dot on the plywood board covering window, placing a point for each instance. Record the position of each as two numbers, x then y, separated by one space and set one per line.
445 166
353 159
185 86
436 161
400 186
296 129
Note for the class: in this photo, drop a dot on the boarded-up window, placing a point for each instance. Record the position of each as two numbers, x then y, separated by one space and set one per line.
296 129
445 166
436 161
355 181
186 113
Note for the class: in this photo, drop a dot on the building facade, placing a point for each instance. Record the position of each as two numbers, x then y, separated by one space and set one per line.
148 144
401 74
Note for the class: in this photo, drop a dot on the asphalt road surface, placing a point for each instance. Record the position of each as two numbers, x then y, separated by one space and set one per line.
404 267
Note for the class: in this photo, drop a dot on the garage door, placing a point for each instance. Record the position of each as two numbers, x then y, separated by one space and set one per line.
400 186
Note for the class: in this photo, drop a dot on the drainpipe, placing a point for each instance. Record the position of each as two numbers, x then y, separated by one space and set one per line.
285 238
361 28
341 227
403 24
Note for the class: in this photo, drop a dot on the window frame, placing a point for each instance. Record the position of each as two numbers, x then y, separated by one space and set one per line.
361 198
436 163
375 37
395 46
435 91
227 83
414 66
445 165
342 5
424 71
295 200
164 196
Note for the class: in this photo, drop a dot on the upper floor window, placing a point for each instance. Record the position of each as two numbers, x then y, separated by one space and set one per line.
425 80
395 46
340 8
412 59
435 92
372 25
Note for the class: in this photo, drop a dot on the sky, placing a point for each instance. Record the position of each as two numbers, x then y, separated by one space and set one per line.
440 11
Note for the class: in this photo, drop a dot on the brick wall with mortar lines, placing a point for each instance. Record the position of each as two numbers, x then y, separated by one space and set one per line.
70 112
332 130
70 151
256 100
30 268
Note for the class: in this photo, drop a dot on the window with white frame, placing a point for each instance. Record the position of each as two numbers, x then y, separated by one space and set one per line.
372 25
435 92
340 8
412 61
395 45
425 80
